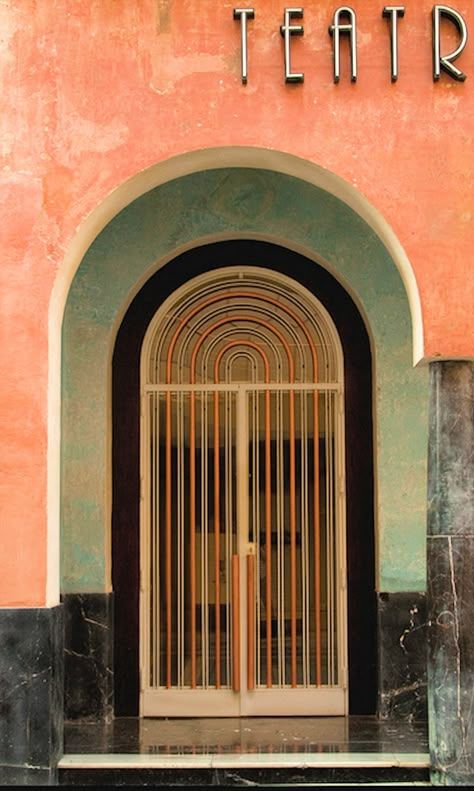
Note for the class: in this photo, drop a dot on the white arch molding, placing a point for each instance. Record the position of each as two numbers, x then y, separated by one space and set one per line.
154 176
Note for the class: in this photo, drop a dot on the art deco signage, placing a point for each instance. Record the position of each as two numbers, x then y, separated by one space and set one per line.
344 23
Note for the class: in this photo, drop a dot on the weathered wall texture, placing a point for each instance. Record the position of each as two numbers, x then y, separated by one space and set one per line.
92 93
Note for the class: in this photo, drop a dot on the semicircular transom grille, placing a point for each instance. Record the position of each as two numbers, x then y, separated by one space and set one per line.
242 325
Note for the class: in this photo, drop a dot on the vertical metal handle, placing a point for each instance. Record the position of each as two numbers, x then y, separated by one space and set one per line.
235 623
250 621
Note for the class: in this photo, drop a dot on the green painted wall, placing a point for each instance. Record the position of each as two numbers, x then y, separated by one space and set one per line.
223 203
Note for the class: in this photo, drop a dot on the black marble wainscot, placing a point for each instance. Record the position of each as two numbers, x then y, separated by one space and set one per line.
88 656
402 655
450 562
31 695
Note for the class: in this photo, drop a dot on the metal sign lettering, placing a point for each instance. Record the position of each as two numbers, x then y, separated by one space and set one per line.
243 14
335 31
393 12
287 30
445 62
345 23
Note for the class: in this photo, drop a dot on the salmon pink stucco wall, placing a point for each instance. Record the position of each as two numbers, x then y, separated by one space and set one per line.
93 93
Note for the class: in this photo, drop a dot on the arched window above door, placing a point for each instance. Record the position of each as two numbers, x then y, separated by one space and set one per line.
241 324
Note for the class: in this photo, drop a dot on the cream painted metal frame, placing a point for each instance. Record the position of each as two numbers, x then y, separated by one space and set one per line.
225 307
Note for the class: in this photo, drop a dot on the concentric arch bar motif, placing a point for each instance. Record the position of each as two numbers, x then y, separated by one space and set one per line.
243 605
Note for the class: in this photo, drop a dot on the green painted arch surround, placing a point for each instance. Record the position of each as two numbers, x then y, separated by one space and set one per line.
227 203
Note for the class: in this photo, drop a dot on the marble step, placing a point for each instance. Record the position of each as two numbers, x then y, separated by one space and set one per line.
293 770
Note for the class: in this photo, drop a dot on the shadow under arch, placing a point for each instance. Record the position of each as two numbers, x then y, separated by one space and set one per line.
221 203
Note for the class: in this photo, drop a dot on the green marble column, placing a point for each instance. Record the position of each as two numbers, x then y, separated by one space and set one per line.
450 561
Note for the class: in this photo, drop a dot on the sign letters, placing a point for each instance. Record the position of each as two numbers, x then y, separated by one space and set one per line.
335 31
445 62
344 23
287 30
243 14
393 12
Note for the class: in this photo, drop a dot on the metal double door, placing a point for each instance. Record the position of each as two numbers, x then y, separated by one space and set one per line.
243 556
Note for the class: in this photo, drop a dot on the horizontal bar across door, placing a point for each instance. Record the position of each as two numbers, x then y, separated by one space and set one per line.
237 387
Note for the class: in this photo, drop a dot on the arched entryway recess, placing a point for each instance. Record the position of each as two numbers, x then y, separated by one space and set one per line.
246 205
259 282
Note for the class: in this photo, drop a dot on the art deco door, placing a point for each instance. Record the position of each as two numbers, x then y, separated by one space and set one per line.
242 517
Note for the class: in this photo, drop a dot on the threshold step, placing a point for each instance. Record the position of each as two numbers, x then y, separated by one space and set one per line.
249 760
298 769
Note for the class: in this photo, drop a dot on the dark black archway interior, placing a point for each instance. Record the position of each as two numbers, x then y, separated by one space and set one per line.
359 457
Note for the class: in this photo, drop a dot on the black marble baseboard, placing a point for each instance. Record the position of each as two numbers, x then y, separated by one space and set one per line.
31 694
13 776
88 661
268 776
403 655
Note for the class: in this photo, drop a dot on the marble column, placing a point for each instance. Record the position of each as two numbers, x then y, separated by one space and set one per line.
450 559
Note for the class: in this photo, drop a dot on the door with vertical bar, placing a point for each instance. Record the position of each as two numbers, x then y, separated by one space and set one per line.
243 606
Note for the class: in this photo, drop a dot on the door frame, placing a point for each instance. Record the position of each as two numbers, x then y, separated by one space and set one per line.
359 458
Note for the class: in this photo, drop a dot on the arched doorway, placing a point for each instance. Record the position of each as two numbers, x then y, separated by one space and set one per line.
280 650
212 196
